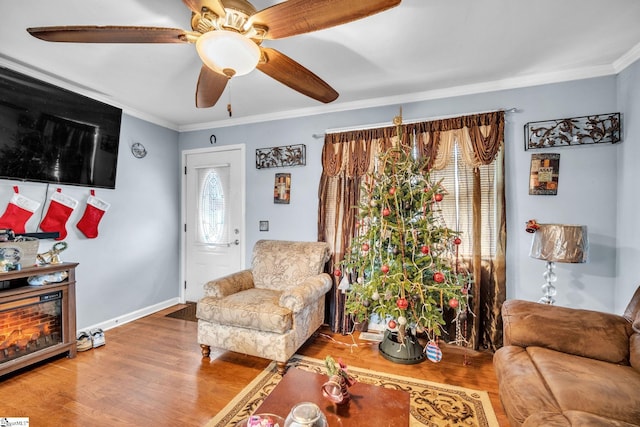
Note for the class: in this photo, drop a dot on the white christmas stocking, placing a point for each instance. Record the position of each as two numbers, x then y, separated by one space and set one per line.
96 208
59 211
18 212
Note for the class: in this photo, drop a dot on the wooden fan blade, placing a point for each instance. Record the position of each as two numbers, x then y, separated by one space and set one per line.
288 72
214 6
294 17
109 34
210 87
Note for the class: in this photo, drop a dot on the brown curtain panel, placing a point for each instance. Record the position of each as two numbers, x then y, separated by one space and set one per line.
347 157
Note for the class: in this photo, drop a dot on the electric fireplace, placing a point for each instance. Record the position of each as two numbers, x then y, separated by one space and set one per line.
30 324
36 322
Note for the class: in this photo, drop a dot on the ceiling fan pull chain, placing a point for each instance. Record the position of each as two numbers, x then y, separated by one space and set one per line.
229 103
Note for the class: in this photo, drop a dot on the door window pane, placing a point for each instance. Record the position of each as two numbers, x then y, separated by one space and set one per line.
213 210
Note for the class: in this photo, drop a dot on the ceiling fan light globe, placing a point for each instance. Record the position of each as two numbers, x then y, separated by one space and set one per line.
223 49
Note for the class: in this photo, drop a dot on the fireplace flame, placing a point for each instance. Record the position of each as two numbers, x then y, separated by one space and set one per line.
24 330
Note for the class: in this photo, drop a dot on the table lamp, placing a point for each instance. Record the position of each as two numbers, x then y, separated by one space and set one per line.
558 243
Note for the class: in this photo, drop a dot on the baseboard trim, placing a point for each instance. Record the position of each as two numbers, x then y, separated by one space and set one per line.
130 317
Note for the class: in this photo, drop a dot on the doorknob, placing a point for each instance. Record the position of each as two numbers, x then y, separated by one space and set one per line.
236 242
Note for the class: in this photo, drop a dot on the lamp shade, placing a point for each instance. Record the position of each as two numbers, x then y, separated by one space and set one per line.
228 52
560 243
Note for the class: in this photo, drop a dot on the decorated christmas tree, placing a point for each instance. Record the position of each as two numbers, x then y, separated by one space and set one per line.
403 260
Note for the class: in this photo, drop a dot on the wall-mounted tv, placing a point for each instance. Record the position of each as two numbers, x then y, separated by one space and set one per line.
50 134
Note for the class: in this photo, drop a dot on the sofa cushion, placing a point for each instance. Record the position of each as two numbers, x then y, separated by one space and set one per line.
587 419
278 264
586 333
542 387
253 309
580 384
571 419
523 391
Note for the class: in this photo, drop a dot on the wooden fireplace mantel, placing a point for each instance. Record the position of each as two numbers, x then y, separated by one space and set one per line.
20 290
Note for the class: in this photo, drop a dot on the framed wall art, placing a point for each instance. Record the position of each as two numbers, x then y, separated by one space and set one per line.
282 188
544 173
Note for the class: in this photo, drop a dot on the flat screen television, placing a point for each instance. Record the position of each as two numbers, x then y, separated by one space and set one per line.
50 134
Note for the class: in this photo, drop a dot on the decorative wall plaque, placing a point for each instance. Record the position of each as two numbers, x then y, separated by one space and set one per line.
597 129
544 173
282 188
276 157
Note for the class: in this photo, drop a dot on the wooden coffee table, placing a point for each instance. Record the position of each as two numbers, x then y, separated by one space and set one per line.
369 404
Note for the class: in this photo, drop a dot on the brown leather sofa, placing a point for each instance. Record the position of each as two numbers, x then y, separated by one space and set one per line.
569 367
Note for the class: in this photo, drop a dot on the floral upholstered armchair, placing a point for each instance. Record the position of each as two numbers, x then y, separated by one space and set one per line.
271 309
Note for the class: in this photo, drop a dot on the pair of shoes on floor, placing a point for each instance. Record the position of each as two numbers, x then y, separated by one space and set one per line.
86 341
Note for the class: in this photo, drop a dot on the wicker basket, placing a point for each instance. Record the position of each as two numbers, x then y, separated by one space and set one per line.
23 251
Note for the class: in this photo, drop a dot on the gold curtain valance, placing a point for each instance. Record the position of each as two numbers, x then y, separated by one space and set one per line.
479 135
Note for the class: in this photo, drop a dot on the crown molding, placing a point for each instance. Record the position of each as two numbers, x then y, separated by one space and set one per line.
627 59
616 67
454 91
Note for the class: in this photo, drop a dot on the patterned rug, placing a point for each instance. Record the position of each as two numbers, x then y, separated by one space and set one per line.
432 404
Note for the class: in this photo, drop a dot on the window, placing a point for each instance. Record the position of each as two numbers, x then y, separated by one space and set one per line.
213 210
457 205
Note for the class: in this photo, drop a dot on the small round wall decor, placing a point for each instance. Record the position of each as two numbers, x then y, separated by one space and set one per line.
138 150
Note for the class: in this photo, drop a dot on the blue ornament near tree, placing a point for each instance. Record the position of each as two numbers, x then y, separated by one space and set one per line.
433 351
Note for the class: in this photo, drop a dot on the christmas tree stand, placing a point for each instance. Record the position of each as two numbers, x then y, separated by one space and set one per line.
407 353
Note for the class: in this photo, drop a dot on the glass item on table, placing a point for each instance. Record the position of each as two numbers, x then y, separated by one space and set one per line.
306 414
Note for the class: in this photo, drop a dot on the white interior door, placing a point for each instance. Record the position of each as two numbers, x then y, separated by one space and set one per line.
214 188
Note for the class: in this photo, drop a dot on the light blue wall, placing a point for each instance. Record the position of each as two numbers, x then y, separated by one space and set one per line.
132 268
133 264
628 193
586 195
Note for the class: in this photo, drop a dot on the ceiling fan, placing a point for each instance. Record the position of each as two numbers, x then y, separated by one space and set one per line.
228 35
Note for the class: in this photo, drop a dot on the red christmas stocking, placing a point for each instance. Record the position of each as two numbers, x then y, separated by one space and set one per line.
96 208
59 211
18 212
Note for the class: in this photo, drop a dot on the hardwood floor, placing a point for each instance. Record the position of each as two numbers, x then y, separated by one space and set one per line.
151 373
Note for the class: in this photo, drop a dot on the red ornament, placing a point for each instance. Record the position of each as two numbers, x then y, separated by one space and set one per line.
365 247
424 249
392 190
384 268
392 324
386 212
457 241
402 303
465 291
438 277
337 272
438 197
454 303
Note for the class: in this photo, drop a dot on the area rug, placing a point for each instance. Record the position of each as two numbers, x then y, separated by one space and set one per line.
432 404
185 313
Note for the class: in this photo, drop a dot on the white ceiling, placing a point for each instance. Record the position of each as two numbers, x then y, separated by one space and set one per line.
422 49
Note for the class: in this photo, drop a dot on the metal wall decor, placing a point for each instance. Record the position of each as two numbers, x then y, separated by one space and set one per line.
277 157
597 129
